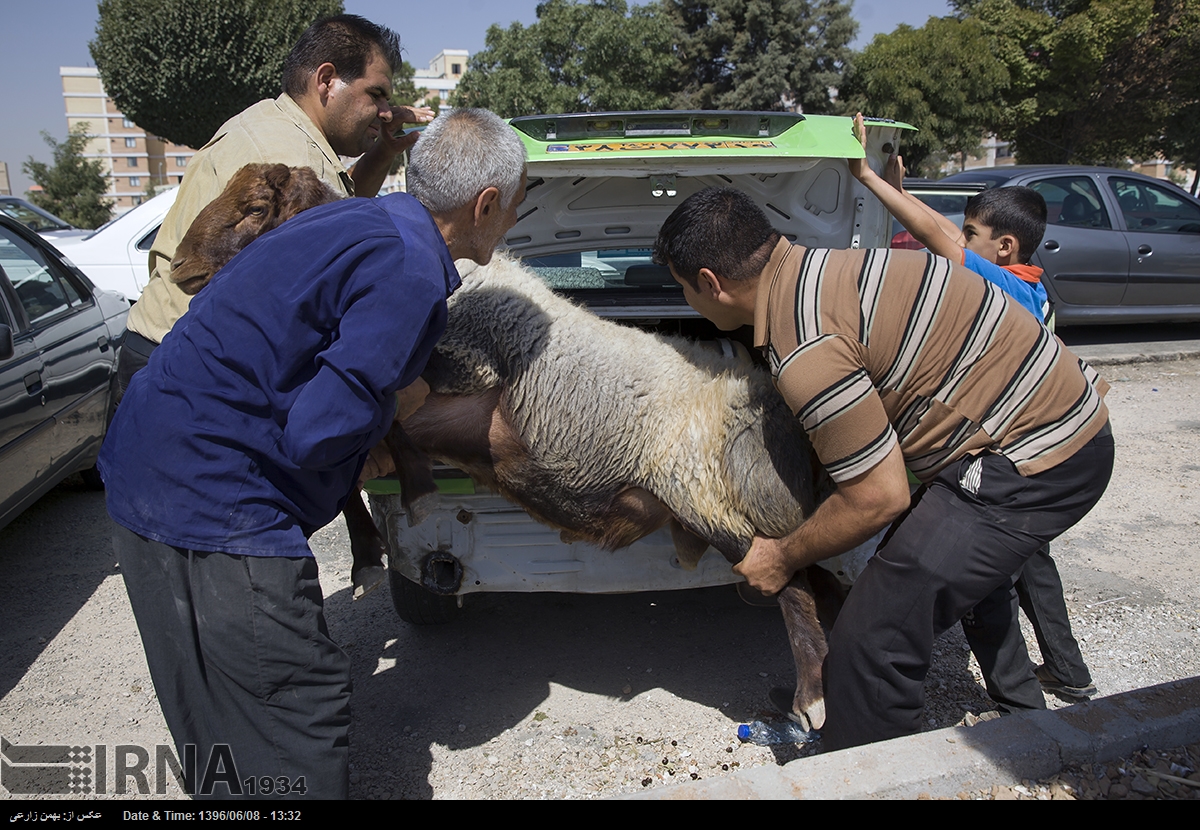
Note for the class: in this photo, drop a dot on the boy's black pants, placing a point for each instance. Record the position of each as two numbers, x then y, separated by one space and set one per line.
993 631
951 549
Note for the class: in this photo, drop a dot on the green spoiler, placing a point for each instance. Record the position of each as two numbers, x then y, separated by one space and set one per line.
681 134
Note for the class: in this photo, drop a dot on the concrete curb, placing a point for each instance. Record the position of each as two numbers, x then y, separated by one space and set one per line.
1119 354
945 762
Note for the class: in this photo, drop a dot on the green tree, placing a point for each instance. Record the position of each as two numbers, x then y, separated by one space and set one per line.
1181 139
578 57
1093 81
942 78
74 187
405 92
761 54
180 68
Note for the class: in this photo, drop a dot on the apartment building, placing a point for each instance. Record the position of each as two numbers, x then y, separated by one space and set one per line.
441 78
132 159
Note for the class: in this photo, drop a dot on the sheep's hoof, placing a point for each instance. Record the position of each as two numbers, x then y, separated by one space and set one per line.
367 580
811 717
419 508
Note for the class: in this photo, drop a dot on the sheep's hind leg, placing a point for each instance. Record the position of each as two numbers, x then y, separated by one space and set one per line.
418 492
367 547
799 603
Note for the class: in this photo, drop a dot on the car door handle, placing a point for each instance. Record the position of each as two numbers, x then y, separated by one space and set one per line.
1145 249
102 342
33 383
1051 245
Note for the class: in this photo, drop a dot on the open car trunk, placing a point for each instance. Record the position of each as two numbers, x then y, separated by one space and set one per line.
592 210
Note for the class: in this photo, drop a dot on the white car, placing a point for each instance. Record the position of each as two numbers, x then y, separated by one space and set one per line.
116 255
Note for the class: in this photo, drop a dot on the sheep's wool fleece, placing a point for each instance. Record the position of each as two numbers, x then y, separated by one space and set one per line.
605 406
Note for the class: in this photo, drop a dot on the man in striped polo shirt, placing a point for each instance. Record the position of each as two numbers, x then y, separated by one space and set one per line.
895 358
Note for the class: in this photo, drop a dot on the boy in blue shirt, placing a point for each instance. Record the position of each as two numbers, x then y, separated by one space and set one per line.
1001 230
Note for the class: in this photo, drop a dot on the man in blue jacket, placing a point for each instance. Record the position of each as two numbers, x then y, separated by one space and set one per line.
249 427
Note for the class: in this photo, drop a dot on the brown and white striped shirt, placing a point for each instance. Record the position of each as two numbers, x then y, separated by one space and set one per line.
872 346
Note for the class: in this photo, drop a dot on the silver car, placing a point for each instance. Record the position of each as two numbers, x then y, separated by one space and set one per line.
1119 247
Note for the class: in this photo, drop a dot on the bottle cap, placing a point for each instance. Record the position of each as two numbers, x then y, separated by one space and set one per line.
744 732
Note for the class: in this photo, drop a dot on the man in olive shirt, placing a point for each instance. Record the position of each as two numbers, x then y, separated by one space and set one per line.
336 82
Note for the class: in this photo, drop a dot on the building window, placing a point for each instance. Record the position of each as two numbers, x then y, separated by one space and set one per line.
131 142
135 181
137 200
133 161
127 123
456 69
181 161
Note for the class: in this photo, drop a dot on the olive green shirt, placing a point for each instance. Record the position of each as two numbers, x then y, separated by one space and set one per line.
270 132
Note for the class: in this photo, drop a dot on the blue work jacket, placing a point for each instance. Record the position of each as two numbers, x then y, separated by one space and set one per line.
249 426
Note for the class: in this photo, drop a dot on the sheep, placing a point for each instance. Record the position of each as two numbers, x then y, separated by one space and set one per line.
257 199
608 433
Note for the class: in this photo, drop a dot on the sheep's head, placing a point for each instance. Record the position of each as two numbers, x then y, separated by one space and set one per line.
258 198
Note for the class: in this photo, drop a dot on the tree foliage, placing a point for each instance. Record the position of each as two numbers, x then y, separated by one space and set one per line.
405 91
578 57
74 187
942 78
761 54
1079 81
180 68
1094 81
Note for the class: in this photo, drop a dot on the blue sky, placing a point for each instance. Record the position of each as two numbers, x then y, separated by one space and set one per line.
38 37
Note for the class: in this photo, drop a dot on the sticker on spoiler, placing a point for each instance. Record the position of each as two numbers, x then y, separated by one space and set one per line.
643 146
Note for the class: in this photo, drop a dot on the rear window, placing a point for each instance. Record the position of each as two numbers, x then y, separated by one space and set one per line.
622 269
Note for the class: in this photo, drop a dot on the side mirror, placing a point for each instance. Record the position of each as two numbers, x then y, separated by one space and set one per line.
6 342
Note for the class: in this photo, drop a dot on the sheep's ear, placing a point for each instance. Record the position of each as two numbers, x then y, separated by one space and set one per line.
277 176
305 190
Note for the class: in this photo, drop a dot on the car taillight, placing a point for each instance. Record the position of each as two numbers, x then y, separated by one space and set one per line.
905 240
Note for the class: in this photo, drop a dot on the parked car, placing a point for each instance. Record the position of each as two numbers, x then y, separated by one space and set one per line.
950 200
59 336
116 255
1119 247
600 187
42 222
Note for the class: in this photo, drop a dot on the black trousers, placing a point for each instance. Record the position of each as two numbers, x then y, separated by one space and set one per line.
135 354
993 631
241 658
950 550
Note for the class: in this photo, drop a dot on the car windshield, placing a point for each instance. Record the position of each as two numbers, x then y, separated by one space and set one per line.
33 218
626 269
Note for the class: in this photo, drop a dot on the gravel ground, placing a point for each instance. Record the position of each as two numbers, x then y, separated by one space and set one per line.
573 696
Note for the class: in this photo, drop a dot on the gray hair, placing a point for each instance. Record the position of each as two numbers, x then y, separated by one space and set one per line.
461 154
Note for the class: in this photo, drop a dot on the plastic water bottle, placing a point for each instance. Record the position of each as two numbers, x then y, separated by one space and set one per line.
766 734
